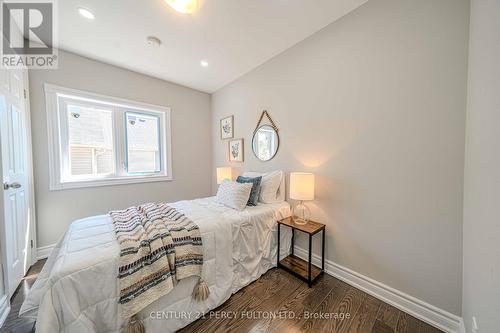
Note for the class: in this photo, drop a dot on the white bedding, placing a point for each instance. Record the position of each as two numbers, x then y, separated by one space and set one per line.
77 289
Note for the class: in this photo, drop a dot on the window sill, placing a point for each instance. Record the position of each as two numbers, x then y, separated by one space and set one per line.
108 182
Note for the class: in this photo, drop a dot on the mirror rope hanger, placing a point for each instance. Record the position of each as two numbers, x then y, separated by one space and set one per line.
273 125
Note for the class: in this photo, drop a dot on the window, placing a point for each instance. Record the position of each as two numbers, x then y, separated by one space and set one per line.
98 140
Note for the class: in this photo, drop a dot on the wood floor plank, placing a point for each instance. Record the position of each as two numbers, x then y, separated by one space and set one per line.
346 310
334 297
407 324
366 316
381 327
388 315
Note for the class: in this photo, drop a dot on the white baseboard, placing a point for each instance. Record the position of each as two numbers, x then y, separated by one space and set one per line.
44 251
462 326
4 309
426 312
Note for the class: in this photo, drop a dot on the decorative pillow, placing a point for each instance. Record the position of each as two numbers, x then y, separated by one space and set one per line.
269 185
234 195
254 194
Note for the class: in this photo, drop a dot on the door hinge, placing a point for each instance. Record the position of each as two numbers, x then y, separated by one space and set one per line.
31 243
25 93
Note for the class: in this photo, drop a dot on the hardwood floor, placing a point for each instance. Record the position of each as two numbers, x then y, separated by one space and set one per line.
277 302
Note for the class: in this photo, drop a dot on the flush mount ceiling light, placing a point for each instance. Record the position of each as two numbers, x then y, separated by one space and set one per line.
183 6
153 41
204 63
86 13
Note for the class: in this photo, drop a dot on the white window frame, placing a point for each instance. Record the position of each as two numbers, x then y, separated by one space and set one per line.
57 138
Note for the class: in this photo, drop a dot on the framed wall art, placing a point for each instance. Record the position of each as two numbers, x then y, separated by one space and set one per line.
227 128
236 150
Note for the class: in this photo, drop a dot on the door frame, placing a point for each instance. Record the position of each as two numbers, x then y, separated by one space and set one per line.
31 252
32 258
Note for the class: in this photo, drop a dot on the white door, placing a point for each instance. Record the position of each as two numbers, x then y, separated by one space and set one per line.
15 184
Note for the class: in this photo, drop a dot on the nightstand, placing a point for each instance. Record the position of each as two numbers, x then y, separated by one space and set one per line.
305 270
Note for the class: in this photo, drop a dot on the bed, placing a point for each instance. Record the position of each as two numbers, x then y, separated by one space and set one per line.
77 289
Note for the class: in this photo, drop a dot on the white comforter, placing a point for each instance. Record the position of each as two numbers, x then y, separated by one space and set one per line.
77 289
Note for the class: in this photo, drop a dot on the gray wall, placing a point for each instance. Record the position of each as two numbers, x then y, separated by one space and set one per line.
191 147
374 105
481 288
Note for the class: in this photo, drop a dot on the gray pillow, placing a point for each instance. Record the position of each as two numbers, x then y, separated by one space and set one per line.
254 194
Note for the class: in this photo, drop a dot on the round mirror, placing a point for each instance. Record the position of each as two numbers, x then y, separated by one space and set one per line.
265 143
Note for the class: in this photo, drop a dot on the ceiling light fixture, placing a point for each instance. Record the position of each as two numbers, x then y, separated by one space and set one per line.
183 6
86 13
204 63
153 41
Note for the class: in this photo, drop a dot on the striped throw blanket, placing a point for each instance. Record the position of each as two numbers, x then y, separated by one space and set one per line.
158 247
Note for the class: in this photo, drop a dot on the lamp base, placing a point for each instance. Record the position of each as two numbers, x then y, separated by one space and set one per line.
301 214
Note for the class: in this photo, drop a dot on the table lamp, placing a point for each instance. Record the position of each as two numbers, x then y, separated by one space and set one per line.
224 173
301 189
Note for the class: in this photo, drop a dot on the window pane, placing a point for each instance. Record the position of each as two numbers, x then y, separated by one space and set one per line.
90 141
143 143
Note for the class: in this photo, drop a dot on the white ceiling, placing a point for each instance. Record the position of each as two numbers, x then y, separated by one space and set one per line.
234 36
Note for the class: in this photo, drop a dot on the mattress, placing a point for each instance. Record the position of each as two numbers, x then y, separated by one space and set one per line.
77 289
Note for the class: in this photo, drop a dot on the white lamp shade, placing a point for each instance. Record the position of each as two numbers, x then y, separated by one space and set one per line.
301 186
224 173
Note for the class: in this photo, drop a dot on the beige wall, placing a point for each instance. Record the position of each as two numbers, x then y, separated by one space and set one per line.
481 288
191 147
374 105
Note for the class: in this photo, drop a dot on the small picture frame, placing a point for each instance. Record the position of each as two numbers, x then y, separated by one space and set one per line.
236 150
227 128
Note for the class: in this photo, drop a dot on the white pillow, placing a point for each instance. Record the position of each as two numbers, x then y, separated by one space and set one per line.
234 195
269 185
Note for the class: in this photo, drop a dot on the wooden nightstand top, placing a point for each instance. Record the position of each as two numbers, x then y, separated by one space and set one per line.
310 228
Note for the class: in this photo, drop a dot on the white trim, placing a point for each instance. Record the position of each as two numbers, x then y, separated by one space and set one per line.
44 251
462 326
4 309
31 177
109 182
111 100
426 312
54 93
